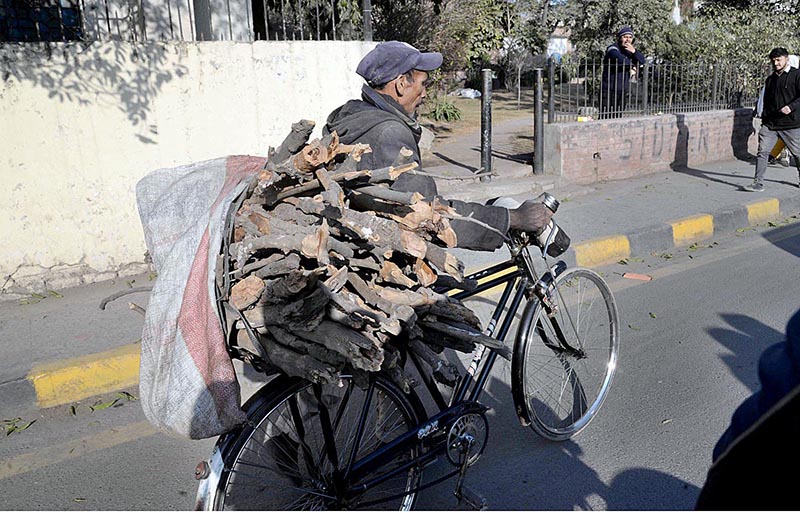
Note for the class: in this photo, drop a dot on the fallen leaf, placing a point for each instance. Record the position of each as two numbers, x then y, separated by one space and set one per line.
54 294
652 315
79 499
103 406
73 410
26 426
624 261
127 396
634 328
666 421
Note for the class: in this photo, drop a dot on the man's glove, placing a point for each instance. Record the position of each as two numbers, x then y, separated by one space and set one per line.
530 217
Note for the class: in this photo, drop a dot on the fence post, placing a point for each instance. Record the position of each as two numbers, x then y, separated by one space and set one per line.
551 89
714 87
645 85
486 124
538 123
367 20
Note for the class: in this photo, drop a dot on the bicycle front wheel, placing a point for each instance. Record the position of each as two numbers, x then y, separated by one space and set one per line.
283 458
563 363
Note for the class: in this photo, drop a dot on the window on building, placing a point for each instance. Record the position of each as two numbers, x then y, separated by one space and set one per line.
40 20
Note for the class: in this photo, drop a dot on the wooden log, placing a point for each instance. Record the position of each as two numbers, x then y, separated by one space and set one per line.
391 273
401 312
455 311
271 267
362 352
301 365
246 292
379 175
382 233
302 314
442 370
413 298
387 194
465 334
319 352
445 262
295 282
425 275
392 368
296 139
316 245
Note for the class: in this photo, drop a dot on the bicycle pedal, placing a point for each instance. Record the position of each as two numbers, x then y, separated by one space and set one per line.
472 498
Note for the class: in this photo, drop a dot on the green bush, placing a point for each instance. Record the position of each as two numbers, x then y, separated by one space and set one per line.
442 109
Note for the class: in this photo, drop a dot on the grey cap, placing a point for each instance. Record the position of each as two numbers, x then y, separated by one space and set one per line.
391 59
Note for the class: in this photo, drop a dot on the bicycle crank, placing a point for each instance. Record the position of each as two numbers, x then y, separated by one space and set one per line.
467 439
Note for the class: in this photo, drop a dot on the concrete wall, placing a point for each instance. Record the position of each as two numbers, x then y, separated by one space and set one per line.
81 124
623 148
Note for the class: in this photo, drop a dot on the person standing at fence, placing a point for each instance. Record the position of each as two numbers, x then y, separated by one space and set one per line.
396 76
780 117
620 64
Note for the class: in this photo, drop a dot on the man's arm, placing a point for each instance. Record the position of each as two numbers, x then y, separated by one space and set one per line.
794 104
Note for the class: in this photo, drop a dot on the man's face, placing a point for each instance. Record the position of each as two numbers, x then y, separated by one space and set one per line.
626 39
779 63
415 91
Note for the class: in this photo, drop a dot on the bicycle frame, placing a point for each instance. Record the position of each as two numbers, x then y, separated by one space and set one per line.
432 433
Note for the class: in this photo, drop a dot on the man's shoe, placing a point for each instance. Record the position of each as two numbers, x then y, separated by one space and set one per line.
772 161
754 187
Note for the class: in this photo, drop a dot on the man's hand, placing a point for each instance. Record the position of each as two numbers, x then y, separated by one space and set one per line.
786 110
628 47
530 217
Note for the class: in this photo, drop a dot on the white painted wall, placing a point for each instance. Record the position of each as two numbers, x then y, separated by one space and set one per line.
81 124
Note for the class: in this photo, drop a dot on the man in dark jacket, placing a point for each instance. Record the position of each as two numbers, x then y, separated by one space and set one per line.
385 118
620 62
780 117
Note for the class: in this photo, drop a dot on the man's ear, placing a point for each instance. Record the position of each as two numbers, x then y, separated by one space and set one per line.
400 85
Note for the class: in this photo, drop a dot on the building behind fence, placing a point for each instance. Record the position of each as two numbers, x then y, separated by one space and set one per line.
577 90
177 20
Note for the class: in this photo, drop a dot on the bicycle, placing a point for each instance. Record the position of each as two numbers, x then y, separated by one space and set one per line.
366 445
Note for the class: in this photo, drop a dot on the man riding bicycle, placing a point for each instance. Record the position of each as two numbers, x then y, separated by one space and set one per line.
396 77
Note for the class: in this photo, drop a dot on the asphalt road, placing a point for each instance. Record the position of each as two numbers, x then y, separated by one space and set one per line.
690 340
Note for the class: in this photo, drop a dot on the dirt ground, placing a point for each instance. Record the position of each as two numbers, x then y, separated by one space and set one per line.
504 107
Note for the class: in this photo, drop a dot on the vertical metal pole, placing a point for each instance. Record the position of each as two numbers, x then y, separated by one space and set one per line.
645 84
715 88
367 20
551 89
486 124
538 124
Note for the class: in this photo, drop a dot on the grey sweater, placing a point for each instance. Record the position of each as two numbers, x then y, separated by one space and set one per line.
379 121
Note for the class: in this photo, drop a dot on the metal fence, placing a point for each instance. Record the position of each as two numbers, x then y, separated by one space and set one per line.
589 89
181 20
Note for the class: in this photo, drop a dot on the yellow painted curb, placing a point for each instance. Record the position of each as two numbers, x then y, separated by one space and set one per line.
692 229
77 378
602 251
763 211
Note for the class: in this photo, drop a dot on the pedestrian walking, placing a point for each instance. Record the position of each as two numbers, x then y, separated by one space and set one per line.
780 117
620 65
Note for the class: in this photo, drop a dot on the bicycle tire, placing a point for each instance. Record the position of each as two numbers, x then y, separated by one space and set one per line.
543 373
267 467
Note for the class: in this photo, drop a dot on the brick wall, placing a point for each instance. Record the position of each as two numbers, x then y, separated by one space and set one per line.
623 148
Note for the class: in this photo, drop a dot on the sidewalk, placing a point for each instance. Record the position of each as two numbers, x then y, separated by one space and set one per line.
64 349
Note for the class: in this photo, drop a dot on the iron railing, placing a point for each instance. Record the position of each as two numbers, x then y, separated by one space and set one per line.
583 90
177 20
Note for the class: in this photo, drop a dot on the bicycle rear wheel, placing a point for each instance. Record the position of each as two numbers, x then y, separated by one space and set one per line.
280 460
563 366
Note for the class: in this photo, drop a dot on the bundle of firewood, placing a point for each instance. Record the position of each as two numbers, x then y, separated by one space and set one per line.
333 271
